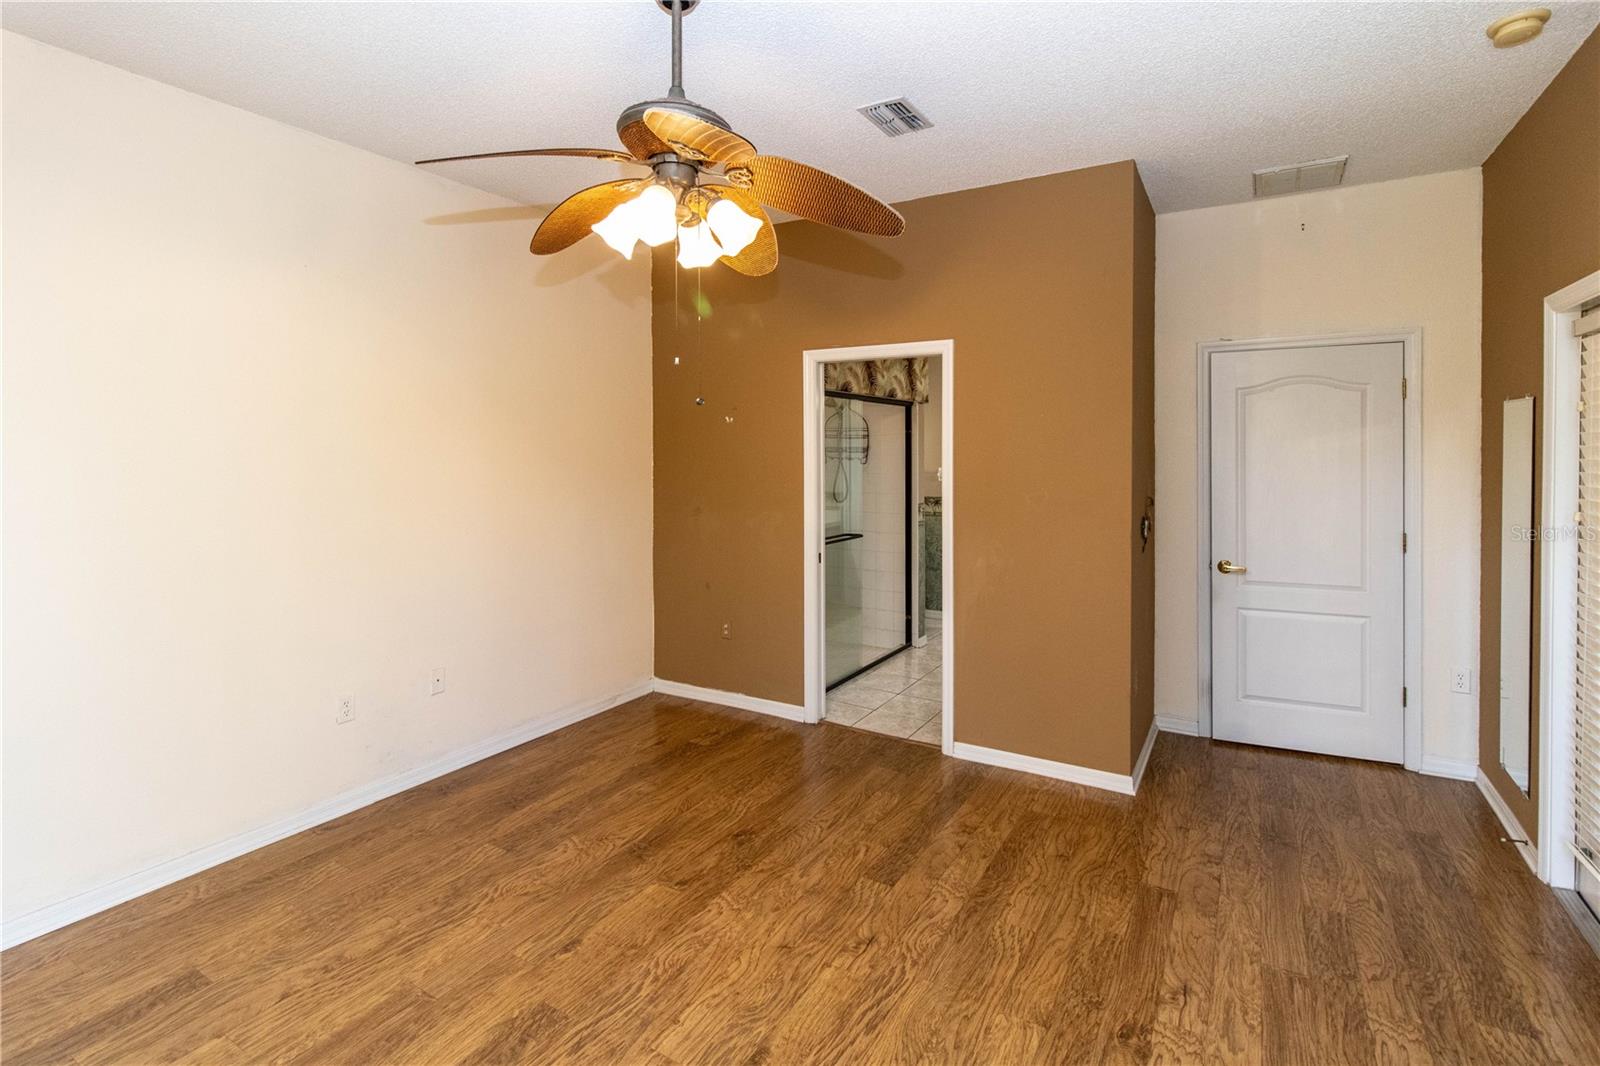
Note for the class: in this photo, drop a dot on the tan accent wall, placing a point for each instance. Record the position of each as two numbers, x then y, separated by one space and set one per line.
1541 232
1142 603
1045 287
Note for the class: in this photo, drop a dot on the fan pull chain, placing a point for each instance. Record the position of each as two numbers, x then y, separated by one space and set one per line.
699 349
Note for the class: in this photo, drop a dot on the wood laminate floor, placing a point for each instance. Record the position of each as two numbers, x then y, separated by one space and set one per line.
675 883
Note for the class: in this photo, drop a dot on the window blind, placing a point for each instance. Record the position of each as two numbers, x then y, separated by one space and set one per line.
1586 746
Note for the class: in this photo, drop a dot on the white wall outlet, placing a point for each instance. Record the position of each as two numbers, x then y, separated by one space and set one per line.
1461 680
347 710
436 681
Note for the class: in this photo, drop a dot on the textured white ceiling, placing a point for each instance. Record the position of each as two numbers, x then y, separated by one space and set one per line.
1199 94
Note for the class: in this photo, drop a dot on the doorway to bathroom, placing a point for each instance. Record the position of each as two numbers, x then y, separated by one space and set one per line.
877 480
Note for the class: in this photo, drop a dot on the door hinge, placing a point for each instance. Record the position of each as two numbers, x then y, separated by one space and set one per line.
1403 545
1403 388
1402 696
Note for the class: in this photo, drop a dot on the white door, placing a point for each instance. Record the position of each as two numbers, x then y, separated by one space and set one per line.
1307 515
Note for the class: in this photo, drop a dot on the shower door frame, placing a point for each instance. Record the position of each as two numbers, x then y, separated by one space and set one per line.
811 430
909 628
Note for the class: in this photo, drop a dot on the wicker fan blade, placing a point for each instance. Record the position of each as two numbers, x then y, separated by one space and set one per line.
821 197
760 256
637 138
582 153
691 137
570 221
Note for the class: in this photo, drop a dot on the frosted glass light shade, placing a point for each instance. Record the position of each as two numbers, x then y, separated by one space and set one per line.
696 248
656 210
620 228
651 217
733 228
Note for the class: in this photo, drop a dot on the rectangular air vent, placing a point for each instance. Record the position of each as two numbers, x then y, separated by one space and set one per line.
1300 177
895 117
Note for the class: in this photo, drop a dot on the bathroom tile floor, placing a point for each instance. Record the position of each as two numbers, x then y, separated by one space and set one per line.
900 697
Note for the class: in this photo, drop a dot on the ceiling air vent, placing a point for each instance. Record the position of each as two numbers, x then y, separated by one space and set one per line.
895 117
1300 177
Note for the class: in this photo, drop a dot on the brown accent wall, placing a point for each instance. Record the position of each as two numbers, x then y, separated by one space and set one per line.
1045 285
1541 232
1142 606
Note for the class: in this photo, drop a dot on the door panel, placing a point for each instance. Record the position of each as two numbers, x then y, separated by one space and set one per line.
1274 668
1307 494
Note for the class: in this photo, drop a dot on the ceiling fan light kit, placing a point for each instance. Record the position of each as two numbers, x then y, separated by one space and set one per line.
706 187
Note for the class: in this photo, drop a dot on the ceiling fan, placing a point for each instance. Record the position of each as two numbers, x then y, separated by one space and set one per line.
706 188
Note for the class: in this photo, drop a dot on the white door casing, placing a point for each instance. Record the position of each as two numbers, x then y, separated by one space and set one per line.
1308 495
811 383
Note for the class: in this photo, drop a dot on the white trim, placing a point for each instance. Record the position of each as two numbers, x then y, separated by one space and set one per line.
1558 576
812 574
1454 769
1143 760
1061 771
1411 343
53 916
1513 828
731 699
1574 296
1171 723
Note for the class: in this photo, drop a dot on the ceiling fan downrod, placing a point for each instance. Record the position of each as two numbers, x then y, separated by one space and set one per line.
677 9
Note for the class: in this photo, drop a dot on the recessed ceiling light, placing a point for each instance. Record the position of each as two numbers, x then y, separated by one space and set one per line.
1515 29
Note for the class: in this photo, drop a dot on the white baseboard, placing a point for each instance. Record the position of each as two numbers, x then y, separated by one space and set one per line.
23 927
1169 723
1455 769
790 711
1513 828
1061 771
934 616
1144 755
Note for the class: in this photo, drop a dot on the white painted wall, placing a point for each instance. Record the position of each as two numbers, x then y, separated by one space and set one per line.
1392 255
270 438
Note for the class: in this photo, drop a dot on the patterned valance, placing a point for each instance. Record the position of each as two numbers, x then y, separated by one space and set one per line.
893 379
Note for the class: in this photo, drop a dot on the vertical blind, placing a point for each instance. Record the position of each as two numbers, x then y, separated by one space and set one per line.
1586 746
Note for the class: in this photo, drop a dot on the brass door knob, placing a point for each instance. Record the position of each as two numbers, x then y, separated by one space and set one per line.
1225 567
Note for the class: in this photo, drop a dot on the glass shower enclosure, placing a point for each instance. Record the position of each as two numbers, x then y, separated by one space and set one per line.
867 527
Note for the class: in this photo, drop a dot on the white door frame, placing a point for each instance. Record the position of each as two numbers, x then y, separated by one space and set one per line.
1558 574
812 361
1411 342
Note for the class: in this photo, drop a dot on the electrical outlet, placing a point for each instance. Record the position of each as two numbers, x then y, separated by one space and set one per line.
347 710
727 631
1461 680
436 681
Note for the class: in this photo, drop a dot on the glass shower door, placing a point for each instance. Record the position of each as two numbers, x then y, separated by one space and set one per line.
866 527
